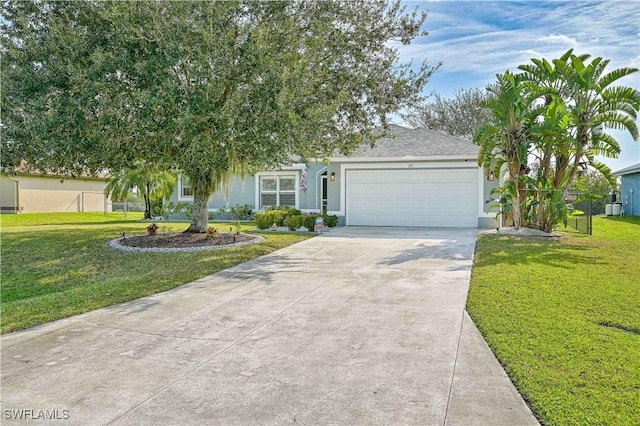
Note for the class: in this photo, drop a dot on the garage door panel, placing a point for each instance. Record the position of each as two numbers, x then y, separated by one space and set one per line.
417 197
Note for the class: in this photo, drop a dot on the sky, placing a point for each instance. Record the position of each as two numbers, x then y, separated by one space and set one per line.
475 40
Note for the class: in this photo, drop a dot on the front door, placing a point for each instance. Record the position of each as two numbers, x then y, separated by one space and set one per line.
323 192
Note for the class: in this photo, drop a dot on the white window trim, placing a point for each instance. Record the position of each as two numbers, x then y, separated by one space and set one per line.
180 196
319 188
260 175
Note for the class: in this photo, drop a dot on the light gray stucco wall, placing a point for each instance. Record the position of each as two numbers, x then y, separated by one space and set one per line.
243 191
487 196
310 199
239 191
333 188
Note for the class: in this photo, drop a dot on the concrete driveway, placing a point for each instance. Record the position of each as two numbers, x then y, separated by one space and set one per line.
359 326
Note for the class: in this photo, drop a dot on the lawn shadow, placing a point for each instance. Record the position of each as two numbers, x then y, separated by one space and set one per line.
64 224
633 220
528 250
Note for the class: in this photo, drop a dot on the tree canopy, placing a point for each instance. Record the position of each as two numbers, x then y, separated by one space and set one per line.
208 88
460 115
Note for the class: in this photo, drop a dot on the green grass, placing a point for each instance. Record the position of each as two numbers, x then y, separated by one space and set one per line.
563 317
58 265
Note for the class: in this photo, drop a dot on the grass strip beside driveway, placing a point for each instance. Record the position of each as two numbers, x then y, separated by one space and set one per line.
57 265
563 317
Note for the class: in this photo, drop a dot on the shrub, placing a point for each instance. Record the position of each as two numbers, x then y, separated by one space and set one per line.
310 221
181 207
292 211
152 229
157 208
211 232
221 211
330 220
293 222
265 219
241 211
270 216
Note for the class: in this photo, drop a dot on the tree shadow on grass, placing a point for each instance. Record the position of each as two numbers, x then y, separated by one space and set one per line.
633 220
80 223
496 250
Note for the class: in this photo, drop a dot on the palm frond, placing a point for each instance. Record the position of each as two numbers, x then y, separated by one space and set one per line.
615 75
617 121
604 170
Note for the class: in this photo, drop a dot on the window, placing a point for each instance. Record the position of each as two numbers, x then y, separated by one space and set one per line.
185 188
277 191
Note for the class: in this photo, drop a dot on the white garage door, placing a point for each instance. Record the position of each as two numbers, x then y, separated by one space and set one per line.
413 197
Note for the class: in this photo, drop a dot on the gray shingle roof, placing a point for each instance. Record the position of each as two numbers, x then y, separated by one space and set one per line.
628 170
418 142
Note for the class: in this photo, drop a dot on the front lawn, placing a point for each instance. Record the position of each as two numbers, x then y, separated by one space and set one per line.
563 317
56 265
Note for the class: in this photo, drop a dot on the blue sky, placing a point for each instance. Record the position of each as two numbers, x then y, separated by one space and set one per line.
475 40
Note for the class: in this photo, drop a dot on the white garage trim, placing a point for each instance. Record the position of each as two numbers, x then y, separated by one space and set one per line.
435 195
464 164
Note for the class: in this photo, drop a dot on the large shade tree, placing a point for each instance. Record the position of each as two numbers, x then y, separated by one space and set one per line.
460 115
208 88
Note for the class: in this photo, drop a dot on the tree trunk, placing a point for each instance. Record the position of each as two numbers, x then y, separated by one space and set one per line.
515 211
147 203
199 213
516 202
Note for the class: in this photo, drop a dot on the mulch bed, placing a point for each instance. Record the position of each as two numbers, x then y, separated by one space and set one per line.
184 240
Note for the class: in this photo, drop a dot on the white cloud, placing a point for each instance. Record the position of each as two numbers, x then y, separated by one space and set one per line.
484 38
476 40
559 39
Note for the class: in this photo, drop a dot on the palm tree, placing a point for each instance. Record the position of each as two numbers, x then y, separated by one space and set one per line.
595 105
154 184
504 138
579 103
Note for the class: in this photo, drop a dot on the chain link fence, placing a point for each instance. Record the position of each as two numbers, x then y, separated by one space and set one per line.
127 206
580 213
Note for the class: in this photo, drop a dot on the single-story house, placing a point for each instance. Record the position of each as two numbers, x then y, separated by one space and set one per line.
420 177
630 189
30 193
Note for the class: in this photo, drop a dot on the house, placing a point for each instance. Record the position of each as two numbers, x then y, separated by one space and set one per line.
30 193
420 177
630 189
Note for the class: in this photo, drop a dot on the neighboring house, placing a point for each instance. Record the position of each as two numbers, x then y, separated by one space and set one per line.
630 189
24 193
419 178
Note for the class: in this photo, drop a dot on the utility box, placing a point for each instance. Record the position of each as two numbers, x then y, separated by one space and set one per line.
616 209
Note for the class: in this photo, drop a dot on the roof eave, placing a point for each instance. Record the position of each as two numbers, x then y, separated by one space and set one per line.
628 170
404 159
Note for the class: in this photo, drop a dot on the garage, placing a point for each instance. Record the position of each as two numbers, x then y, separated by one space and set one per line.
434 197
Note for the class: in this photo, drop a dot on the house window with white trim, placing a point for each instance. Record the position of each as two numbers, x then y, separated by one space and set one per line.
277 191
185 188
